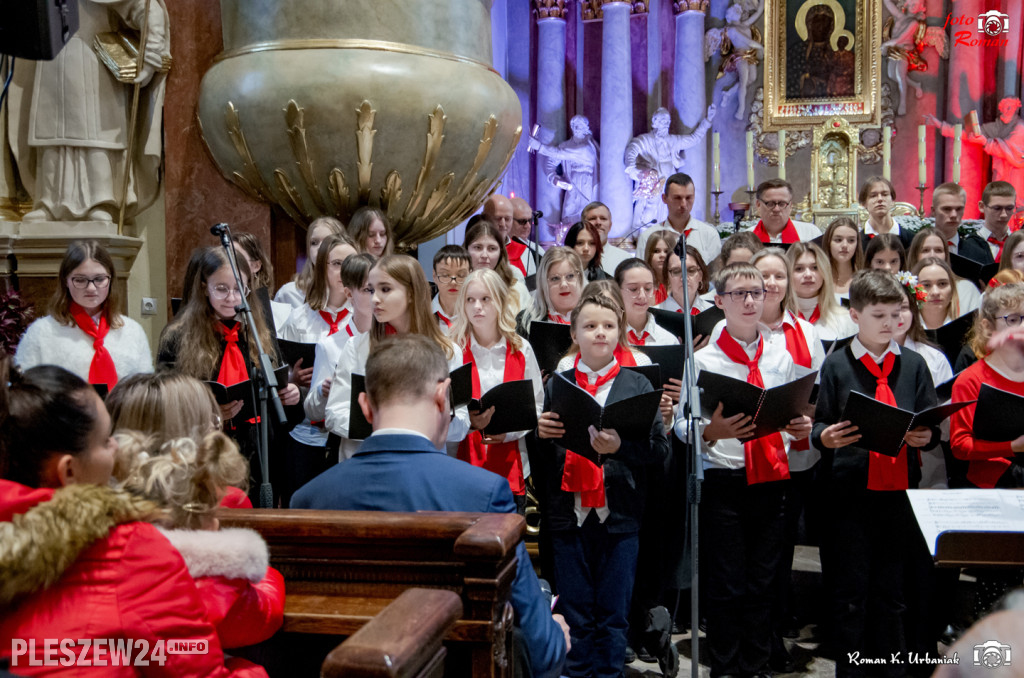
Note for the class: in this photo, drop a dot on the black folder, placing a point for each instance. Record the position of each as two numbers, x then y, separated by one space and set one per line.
703 323
462 385
972 270
531 282
577 410
772 409
950 337
246 392
999 417
651 372
669 358
295 350
882 426
550 341
945 389
515 407
358 427
836 345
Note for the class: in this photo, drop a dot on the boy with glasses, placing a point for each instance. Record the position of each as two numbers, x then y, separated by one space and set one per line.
741 513
451 266
997 205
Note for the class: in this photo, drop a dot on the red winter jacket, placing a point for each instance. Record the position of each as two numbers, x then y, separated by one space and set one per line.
77 563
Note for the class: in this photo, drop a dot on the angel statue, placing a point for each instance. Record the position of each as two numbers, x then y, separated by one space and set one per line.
907 35
572 166
740 45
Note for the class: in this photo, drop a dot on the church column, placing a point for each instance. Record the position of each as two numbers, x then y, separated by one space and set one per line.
965 85
550 96
688 93
616 114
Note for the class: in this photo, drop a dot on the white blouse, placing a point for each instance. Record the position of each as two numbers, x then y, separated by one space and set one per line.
47 342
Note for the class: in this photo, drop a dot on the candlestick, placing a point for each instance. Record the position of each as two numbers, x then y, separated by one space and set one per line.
920 207
782 153
887 152
958 130
717 217
750 162
716 160
922 174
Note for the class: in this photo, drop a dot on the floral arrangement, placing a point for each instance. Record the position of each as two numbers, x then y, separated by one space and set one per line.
15 316
914 224
909 280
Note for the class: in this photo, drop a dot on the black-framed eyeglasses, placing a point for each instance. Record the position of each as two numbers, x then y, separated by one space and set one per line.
741 295
1011 319
775 204
458 278
524 222
80 282
1002 209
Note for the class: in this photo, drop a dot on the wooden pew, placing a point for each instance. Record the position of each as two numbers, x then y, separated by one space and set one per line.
342 568
403 641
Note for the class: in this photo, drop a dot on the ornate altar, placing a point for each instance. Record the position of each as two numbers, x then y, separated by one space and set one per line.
834 170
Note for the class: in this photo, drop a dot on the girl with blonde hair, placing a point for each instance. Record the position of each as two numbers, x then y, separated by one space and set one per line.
812 286
559 283
943 303
484 330
294 293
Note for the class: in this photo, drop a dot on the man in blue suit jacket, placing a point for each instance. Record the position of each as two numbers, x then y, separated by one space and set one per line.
401 468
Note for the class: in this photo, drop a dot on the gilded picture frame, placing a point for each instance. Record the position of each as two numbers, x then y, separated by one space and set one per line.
822 59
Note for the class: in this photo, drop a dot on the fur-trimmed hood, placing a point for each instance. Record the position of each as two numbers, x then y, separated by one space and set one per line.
233 553
47 532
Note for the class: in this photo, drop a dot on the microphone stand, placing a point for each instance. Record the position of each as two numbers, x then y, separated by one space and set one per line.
264 372
692 415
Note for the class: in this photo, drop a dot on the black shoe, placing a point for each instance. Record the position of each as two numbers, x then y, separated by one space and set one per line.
950 634
781 660
630 655
676 630
643 655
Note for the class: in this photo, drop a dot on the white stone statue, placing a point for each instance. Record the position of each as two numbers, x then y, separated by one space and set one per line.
572 166
905 43
742 50
69 123
652 157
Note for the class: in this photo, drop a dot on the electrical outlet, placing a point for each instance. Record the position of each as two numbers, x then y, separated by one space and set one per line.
148 306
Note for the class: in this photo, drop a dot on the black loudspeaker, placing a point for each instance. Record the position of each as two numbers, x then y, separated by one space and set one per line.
36 29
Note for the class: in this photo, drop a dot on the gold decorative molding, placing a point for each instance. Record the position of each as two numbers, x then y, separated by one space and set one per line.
339 193
593 10
550 9
680 6
435 137
364 147
295 119
834 165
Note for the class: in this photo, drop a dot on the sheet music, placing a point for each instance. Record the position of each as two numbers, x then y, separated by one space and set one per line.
969 510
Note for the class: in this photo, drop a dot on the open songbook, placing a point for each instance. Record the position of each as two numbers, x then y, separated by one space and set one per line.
515 407
882 427
246 392
999 416
772 409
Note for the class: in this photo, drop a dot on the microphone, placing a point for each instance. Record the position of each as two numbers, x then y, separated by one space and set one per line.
219 229
537 216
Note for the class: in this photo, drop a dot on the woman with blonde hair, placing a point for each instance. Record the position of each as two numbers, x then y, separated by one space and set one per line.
243 595
559 283
294 292
943 303
371 231
815 300
485 331
401 304
85 331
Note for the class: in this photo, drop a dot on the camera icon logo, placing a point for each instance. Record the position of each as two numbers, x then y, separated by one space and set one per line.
993 22
991 654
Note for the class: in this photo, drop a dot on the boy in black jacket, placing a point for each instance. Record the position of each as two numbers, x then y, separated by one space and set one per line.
872 546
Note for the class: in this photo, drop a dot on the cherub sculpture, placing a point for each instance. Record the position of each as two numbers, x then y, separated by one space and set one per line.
907 35
740 45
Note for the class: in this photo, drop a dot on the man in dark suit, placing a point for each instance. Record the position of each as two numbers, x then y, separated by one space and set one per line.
948 202
401 467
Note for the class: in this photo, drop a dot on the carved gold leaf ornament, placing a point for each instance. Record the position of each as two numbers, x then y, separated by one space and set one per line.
295 119
249 179
292 204
435 137
365 133
390 194
437 197
339 193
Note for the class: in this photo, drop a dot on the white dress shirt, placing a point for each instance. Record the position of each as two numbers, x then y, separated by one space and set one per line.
985 234
328 351
806 231
612 256
306 325
776 368
568 362
435 307
703 237
654 334
670 304
289 294
970 297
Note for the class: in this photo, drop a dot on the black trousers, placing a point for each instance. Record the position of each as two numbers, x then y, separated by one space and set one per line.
741 539
303 463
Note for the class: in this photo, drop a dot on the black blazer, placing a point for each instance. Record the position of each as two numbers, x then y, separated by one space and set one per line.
905 237
625 472
975 249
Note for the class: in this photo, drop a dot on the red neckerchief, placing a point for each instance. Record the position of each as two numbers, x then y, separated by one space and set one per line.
332 321
515 251
660 294
389 331
101 369
638 341
623 356
501 458
348 329
232 365
765 457
789 234
815 316
885 472
995 241
557 319
580 474
440 316
693 310
796 342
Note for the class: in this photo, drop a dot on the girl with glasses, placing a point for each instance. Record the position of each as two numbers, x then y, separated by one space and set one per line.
401 305
696 277
484 330
812 286
559 283
636 283
85 332
208 340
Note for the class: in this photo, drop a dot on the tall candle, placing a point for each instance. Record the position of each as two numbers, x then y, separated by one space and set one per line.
750 161
887 152
958 131
782 153
716 160
922 175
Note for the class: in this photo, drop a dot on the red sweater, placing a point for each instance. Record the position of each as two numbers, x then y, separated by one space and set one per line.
988 459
